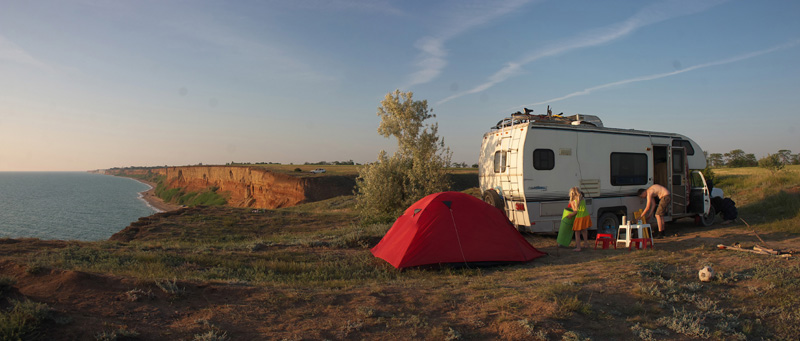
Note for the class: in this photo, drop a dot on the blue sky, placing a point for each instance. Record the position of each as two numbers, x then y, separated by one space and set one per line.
97 84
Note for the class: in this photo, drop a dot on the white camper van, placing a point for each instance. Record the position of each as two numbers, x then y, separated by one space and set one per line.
528 163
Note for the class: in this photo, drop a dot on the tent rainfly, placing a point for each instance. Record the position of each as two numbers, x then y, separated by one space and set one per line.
452 227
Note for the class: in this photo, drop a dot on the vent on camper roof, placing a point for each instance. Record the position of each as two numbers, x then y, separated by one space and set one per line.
590 119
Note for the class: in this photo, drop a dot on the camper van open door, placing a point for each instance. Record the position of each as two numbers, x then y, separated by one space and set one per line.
679 188
701 196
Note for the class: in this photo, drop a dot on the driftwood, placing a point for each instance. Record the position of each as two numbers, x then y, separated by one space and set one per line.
737 248
756 249
763 249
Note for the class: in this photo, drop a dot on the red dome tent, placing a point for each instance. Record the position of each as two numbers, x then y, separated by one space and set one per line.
452 227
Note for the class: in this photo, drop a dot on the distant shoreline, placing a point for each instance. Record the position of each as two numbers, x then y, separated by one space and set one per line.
149 196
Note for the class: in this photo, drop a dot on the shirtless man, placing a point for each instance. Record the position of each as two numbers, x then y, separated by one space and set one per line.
662 193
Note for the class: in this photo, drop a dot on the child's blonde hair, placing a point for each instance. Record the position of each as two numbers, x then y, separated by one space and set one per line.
575 194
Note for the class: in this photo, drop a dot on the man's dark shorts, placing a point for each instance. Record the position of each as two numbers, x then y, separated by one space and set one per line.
663 206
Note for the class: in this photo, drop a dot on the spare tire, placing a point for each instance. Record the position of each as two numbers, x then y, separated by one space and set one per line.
492 198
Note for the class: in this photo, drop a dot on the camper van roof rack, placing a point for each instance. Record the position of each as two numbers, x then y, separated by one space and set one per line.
577 119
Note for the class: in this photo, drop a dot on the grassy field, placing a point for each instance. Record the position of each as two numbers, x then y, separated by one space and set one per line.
345 170
305 170
764 198
210 273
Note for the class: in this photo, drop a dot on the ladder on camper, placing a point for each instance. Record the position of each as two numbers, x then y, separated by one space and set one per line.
515 167
511 185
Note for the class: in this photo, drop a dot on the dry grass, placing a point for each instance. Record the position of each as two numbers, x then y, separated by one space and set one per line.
772 201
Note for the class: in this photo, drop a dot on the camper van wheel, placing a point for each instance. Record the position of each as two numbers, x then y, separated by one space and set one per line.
492 198
608 219
707 220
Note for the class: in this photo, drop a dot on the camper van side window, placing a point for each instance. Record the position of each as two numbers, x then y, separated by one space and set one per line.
544 159
685 144
628 169
499 162
677 164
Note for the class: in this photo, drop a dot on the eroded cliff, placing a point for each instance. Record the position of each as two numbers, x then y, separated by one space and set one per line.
253 187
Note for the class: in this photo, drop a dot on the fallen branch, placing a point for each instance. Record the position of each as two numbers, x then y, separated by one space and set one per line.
754 231
756 249
736 248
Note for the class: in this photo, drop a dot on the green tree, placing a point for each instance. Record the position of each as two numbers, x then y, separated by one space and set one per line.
750 160
734 158
418 167
785 156
716 160
738 158
771 162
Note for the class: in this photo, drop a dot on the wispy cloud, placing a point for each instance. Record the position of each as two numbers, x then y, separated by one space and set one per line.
432 58
261 56
648 16
666 74
371 6
9 51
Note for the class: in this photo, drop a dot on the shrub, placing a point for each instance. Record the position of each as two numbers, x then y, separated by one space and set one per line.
211 335
418 167
171 288
709 175
22 319
6 283
771 162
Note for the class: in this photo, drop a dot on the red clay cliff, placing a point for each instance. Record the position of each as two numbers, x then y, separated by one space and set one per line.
251 187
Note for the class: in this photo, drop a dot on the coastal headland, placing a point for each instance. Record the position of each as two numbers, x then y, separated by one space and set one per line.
242 186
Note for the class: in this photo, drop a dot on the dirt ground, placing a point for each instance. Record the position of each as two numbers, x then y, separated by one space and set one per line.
85 305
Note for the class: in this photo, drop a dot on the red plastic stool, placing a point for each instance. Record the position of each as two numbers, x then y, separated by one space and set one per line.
640 243
606 239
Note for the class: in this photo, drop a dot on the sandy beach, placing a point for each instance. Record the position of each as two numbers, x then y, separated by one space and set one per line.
150 197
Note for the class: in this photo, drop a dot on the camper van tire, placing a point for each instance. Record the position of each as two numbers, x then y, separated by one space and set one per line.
708 219
609 219
492 198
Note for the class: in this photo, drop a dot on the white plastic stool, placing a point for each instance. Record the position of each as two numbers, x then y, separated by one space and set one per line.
624 235
626 232
646 232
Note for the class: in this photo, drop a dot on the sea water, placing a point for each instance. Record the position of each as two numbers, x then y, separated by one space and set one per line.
68 205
